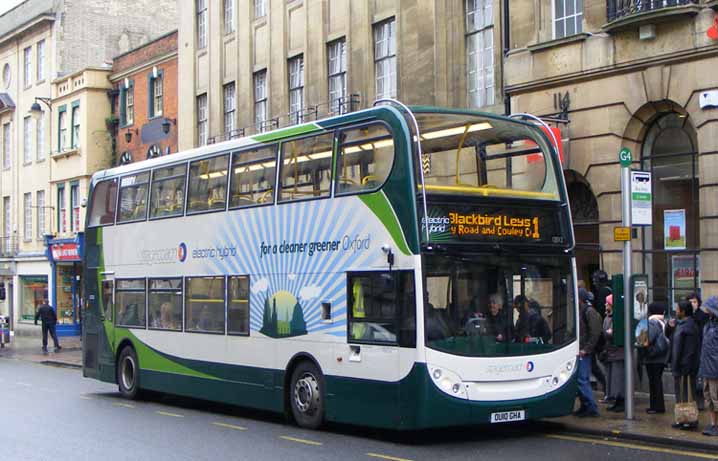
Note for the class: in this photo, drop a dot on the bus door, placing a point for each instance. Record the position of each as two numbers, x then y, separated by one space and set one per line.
378 329
99 339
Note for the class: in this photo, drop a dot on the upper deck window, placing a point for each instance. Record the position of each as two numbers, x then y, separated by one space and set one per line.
133 197
208 184
253 177
168 191
366 155
102 203
306 168
486 157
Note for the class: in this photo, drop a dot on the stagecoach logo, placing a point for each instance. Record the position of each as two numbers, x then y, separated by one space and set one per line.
182 252
529 366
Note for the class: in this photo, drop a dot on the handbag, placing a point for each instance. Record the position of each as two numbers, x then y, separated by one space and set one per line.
686 412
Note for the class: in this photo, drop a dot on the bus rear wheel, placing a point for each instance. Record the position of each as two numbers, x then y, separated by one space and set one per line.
307 395
128 373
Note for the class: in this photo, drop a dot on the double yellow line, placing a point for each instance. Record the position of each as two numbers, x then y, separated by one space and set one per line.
632 446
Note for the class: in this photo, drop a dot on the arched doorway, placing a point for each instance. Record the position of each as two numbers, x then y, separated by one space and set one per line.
670 246
584 211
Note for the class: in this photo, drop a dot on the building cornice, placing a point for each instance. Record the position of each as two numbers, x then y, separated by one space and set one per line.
608 71
45 17
114 78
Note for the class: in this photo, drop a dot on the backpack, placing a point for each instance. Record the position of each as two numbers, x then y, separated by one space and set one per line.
601 343
661 345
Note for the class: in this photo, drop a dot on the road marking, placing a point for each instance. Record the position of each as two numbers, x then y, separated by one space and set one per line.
165 413
632 446
84 397
391 458
304 441
124 405
23 384
230 426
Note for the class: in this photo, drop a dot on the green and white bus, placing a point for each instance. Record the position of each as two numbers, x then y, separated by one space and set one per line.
394 267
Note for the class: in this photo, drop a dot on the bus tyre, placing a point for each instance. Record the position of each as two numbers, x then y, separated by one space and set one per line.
128 373
307 395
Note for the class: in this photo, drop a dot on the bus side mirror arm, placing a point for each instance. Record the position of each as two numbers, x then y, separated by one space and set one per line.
389 254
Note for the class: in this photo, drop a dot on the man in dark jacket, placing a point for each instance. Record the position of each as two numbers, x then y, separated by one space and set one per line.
709 365
530 325
590 331
685 346
47 315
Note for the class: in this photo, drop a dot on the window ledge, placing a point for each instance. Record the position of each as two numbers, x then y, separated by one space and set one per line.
66 153
558 42
661 15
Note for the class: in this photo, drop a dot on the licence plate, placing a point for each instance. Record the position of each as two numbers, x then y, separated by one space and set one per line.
507 416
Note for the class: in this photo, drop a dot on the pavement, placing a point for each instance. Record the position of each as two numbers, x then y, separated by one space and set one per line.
652 429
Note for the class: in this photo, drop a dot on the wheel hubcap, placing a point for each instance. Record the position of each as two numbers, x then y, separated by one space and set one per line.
128 373
306 393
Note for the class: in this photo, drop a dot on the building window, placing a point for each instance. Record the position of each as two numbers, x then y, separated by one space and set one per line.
385 59
27 143
156 95
202 119
567 18
6 146
40 137
62 127
75 207
228 16
40 201
7 221
480 52
337 66
230 108
201 24
27 205
27 68
129 105
75 137
296 89
260 8
40 60
260 99
61 215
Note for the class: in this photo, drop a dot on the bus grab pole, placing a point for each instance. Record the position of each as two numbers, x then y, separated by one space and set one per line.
627 304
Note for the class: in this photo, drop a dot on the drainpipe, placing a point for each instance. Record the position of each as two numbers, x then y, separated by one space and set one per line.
507 47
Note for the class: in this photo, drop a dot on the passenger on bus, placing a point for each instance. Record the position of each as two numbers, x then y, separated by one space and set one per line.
166 319
497 320
530 326
205 319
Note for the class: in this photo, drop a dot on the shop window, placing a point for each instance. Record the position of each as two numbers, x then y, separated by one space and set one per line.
306 168
382 307
130 303
102 203
168 186
204 304
253 177
33 290
133 197
64 293
238 305
208 184
165 304
366 155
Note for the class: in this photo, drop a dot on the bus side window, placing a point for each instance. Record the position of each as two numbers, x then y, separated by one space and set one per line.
253 177
103 203
306 167
133 197
208 184
168 186
365 159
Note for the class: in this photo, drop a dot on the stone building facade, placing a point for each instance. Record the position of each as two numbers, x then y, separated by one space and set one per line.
629 74
42 44
144 106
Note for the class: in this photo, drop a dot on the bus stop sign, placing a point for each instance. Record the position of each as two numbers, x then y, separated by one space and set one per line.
624 156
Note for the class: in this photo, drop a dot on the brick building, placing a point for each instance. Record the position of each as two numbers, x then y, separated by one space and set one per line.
145 100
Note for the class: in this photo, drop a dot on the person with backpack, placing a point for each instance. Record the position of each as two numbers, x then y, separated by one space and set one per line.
589 332
709 365
685 349
656 348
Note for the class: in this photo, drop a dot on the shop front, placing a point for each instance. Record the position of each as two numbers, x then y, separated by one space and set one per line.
65 257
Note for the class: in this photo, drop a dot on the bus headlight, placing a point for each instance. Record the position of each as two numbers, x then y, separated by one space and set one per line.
563 373
448 381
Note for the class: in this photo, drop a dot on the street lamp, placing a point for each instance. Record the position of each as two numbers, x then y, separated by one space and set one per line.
166 124
36 110
128 134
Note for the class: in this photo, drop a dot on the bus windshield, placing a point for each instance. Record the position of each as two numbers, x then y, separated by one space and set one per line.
498 305
484 156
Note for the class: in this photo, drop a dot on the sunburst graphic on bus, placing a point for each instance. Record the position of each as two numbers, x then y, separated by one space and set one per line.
283 316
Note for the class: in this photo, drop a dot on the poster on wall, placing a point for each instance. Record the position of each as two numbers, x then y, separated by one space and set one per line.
674 229
685 277
640 297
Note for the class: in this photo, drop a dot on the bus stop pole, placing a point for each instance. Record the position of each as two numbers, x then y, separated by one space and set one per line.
625 159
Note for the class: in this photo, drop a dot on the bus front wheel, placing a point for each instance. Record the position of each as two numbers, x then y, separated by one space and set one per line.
307 395
128 373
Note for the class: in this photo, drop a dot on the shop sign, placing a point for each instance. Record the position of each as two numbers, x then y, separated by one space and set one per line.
65 251
641 199
674 229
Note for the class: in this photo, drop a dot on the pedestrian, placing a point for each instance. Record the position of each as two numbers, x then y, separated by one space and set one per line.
685 357
700 316
601 290
590 331
615 360
47 315
656 349
709 365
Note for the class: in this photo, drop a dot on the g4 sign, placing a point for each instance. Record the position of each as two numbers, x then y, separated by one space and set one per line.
624 156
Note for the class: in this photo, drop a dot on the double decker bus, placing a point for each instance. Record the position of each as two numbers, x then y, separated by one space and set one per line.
394 267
